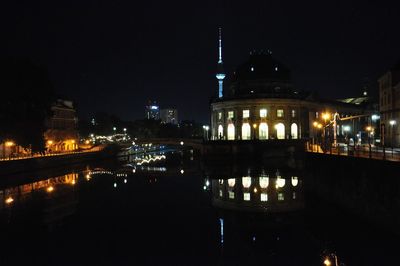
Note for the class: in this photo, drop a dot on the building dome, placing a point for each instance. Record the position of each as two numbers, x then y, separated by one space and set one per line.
261 75
261 66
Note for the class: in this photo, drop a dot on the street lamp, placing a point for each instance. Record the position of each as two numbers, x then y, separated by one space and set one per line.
114 129
392 123
255 127
369 130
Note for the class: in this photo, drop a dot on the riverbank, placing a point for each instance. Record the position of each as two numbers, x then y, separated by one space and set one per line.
37 163
368 188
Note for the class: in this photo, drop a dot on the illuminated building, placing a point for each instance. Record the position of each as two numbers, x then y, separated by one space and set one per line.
61 134
169 116
152 111
262 103
389 104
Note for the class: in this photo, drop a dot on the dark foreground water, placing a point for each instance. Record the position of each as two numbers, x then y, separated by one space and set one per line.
179 213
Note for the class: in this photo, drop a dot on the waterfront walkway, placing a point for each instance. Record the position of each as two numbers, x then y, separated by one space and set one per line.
370 152
39 155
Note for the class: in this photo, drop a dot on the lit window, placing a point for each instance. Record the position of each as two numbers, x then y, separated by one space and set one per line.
293 131
219 116
231 182
293 113
231 132
280 131
294 195
264 181
230 115
246 131
263 131
246 196
246 113
263 112
264 197
276 68
252 68
220 193
281 196
231 194
295 181
246 181
279 113
316 114
220 132
280 182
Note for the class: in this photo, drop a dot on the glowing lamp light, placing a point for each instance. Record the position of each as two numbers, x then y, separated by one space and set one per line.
254 125
9 143
115 184
49 142
9 200
392 122
125 181
315 124
327 262
181 143
255 190
50 189
326 116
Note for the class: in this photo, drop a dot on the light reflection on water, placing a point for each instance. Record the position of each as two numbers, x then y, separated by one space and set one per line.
255 214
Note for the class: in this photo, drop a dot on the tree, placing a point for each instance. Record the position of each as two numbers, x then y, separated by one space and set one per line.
27 96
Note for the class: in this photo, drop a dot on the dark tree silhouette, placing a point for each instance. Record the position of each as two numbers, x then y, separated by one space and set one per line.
27 95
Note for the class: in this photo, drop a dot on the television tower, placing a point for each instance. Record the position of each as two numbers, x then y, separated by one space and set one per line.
220 70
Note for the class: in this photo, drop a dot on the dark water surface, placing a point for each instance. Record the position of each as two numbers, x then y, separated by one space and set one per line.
178 213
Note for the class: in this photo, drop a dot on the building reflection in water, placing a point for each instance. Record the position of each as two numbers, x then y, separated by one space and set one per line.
58 196
266 192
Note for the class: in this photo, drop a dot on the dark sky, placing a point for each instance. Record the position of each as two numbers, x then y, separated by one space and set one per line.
114 56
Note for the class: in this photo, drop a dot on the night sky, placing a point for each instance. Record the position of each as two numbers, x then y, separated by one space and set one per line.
114 56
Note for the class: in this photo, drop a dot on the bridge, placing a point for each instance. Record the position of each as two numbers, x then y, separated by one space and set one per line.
194 143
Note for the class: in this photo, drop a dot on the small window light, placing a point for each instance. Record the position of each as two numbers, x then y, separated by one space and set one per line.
276 68
251 91
252 68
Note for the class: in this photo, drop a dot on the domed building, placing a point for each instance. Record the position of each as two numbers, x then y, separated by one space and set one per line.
261 103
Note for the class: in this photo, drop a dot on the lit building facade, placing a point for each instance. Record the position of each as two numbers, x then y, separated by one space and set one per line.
389 106
169 116
152 111
262 104
62 134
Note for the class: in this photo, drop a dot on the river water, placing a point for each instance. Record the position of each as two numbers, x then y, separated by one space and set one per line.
173 210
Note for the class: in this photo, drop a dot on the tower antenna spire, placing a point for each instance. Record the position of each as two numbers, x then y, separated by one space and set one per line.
220 47
220 74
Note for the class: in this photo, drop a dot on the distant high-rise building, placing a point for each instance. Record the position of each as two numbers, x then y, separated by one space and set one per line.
152 111
169 116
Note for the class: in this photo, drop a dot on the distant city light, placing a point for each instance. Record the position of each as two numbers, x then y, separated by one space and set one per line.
154 107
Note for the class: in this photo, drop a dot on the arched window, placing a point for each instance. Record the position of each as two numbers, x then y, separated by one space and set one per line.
263 131
293 131
280 131
220 132
246 131
231 132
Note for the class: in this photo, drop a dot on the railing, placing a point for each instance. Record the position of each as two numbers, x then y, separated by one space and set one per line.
362 151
